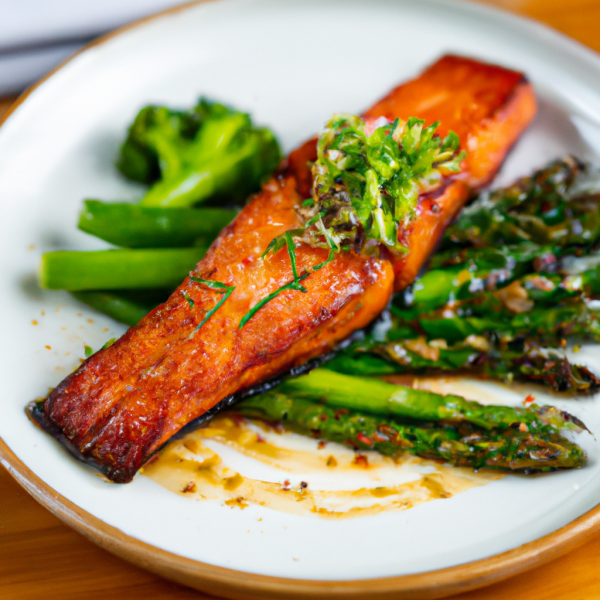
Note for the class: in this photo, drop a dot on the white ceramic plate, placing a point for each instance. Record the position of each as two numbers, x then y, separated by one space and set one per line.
291 65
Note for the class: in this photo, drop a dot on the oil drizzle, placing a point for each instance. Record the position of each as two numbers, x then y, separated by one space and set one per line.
347 484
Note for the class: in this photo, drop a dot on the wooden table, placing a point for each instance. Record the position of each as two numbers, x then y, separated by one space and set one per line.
40 557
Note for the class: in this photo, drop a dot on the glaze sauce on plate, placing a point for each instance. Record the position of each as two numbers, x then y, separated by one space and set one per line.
241 462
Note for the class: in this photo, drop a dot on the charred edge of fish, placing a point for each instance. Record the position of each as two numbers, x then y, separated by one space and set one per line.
38 417
36 414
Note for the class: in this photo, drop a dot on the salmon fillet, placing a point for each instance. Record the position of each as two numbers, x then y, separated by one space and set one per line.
127 400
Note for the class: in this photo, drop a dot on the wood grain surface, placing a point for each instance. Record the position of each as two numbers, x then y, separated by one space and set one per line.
40 557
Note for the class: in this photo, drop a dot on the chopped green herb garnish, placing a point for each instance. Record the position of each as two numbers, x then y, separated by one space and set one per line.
291 248
218 287
88 351
189 300
371 182
365 186
283 288
287 239
108 344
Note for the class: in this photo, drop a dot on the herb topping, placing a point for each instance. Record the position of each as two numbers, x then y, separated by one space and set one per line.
366 184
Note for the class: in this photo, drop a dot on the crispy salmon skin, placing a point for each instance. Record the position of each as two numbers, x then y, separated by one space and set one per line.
127 400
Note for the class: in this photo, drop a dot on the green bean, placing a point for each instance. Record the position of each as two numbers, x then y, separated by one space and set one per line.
134 226
126 306
117 269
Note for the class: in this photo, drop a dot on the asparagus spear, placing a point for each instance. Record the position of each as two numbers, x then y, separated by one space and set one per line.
134 226
516 449
533 310
551 207
510 300
117 269
126 306
356 361
549 326
533 290
470 279
383 398
455 275
474 355
543 304
586 282
517 308
547 214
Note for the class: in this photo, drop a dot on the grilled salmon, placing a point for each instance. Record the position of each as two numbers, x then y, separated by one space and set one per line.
127 400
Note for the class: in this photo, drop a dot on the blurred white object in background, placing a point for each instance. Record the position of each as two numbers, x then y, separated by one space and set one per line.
36 35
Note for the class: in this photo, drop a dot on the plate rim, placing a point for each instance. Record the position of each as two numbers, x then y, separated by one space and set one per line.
243 585
233 583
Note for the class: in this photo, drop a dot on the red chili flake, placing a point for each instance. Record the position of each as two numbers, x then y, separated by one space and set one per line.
360 460
321 445
323 417
340 412
541 263
529 399
286 485
190 487
361 437
380 437
246 261
238 419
